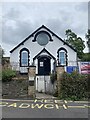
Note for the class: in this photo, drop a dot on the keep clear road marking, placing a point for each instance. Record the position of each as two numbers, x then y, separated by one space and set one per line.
47 104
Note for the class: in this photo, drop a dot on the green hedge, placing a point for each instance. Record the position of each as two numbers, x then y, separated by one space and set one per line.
7 75
74 86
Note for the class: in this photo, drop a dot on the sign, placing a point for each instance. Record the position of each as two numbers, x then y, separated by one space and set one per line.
85 67
41 64
31 78
70 69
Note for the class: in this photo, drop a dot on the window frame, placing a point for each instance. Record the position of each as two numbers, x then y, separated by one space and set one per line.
60 58
26 50
65 54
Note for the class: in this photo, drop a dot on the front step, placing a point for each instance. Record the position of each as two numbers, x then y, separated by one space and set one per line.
44 96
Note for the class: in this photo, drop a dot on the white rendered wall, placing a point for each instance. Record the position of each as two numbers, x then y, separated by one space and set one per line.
52 47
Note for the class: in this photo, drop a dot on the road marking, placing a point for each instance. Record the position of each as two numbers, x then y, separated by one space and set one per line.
3 104
13 105
24 105
14 100
37 105
35 100
40 105
58 106
76 106
49 106
81 101
65 107
44 100
86 106
65 101
48 101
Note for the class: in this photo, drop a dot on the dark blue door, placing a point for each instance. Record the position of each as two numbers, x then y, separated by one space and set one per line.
44 65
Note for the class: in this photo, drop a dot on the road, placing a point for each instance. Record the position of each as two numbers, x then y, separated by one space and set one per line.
44 108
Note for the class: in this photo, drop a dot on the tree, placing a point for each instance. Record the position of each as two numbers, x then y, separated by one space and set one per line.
88 38
1 52
1 55
86 57
76 42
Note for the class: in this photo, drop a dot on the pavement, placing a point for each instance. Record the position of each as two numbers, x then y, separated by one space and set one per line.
44 96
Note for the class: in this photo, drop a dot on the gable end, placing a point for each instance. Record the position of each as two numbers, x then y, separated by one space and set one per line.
53 34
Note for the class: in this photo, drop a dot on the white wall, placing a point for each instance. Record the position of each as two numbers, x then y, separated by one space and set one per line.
35 48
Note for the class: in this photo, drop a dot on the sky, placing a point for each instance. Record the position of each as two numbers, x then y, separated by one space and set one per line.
20 19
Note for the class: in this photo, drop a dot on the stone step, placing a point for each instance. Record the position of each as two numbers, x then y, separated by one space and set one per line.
43 77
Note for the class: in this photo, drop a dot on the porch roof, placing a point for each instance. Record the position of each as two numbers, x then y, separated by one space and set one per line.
44 50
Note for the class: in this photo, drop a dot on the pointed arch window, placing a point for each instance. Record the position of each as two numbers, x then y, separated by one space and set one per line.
24 57
62 56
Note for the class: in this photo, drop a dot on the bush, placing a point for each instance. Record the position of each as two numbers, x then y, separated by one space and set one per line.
53 77
7 75
74 86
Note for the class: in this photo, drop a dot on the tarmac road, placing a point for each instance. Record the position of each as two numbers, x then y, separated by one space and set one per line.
44 108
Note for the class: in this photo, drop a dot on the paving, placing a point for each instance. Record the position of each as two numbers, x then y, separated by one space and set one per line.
44 96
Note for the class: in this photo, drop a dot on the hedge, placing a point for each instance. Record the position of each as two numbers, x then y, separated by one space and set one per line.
74 86
7 75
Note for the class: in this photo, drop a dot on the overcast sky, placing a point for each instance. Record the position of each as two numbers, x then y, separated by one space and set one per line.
21 19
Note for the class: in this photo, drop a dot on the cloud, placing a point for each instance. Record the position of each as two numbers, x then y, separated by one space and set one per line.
13 14
15 32
21 19
89 15
82 7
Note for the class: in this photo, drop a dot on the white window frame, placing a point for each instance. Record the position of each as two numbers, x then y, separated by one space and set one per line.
62 51
24 58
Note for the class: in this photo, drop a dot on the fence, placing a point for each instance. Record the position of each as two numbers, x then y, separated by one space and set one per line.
72 65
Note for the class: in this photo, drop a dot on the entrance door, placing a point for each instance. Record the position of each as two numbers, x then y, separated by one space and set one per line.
44 65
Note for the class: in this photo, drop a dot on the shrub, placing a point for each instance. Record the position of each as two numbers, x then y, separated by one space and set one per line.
7 75
74 86
53 77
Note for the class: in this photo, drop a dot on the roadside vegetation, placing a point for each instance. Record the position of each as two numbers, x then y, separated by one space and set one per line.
74 86
8 74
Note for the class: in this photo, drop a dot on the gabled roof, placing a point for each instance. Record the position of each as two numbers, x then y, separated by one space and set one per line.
37 31
44 50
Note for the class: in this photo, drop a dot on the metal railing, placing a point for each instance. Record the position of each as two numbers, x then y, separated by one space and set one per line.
16 66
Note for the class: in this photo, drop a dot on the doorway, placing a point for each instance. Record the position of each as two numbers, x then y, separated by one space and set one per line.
44 66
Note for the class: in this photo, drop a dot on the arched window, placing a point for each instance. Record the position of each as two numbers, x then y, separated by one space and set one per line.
62 56
24 57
